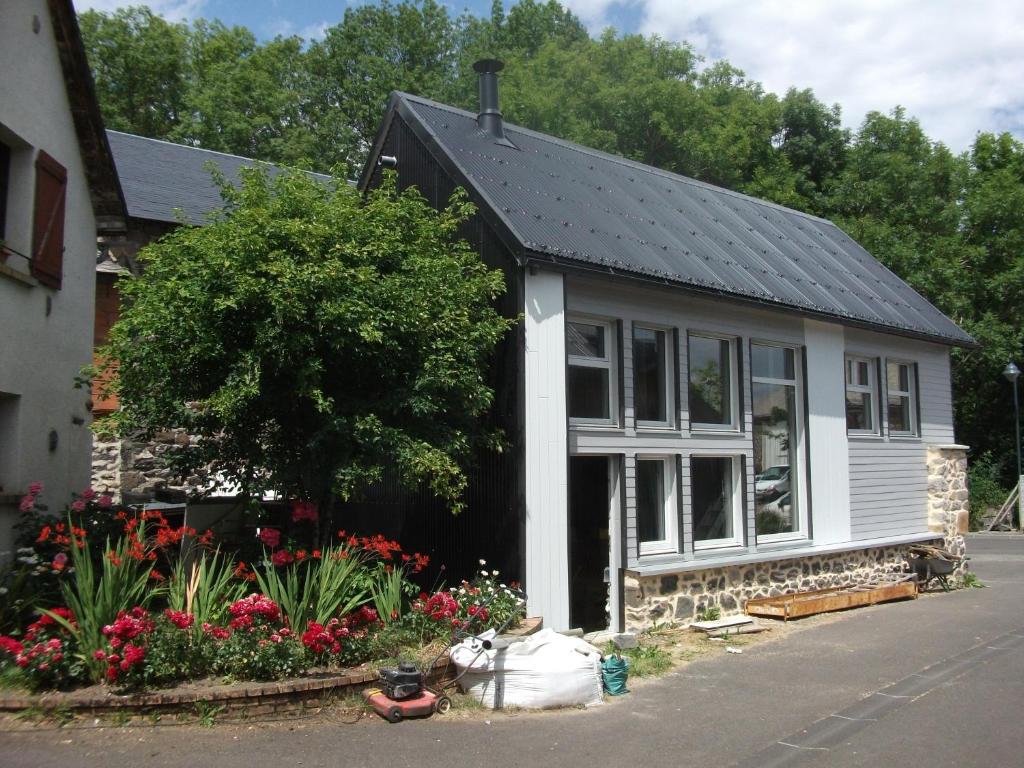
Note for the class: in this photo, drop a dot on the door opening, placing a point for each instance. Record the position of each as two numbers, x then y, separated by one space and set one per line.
589 542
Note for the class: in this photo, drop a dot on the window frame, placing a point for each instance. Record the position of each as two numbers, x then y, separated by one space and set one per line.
670 378
737 539
798 491
609 362
872 388
734 425
670 544
911 395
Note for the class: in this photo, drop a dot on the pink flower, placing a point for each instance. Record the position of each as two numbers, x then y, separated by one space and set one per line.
35 488
104 501
99 655
78 506
270 537
27 503
88 494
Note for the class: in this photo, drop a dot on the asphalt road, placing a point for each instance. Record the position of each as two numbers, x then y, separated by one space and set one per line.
936 682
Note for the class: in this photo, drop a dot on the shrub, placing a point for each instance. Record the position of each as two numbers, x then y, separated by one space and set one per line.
985 486
474 606
343 641
257 648
46 654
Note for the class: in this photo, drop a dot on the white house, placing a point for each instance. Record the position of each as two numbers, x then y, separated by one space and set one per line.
57 190
711 397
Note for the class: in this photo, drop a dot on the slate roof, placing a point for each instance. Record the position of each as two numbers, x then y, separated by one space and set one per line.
157 177
580 207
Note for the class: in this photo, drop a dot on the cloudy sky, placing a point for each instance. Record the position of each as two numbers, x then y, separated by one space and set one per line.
957 66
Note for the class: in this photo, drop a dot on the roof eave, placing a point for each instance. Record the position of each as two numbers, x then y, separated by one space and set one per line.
104 187
534 257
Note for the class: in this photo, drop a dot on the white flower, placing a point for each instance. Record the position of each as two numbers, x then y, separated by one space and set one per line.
503 586
494 573
483 562
3 590
462 591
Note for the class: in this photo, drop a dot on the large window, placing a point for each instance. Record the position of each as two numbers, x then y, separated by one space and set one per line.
712 390
861 396
901 395
655 505
716 496
591 389
778 432
653 391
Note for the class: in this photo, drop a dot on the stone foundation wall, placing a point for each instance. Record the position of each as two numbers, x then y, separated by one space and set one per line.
134 471
680 597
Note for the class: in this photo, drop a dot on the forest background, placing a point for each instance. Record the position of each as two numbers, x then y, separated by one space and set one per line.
952 225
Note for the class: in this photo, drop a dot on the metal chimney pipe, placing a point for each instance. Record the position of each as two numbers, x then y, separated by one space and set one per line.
489 118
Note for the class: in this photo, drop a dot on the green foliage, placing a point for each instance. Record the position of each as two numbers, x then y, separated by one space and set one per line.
984 481
204 586
709 613
254 656
970 581
96 595
388 589
315 589
648 661
312 338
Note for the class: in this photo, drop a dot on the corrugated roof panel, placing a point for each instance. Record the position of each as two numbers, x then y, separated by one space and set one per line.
583 206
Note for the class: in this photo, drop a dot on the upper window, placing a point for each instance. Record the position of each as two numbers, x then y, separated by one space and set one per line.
861 396
655 505
778 431
712 391
591 393
653 400
716 496
901 381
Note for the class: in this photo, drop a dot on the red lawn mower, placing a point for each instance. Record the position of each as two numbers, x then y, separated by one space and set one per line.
402 691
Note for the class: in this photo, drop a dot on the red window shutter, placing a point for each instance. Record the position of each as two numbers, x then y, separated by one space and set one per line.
48 222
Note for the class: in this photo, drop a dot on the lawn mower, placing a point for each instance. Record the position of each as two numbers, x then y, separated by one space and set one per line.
402 691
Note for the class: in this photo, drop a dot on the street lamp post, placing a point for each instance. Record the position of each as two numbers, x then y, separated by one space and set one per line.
1012 373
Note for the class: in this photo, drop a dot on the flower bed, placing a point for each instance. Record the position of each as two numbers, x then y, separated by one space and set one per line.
131 602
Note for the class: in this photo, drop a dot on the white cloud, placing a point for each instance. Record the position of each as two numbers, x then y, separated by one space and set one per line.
172 10
956 66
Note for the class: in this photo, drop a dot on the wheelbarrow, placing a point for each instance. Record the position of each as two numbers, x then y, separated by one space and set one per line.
930 563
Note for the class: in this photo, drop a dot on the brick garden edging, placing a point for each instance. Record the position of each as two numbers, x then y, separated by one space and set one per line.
287 697
241 699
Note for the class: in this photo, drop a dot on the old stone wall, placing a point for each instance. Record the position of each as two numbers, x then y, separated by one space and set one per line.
679 597
948 505
134 471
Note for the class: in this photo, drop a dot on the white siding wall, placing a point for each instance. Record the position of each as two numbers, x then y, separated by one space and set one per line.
860 488
888 475
826 432
47 334
547 509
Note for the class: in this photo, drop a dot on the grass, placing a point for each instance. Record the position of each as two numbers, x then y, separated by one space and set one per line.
648 661
971 581
207 713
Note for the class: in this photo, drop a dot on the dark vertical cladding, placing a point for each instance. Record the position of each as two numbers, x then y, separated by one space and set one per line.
492 527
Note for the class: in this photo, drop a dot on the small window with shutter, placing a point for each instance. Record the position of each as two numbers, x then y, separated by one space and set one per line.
48 221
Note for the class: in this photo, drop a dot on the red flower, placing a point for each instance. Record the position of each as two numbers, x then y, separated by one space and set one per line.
282 557
88 494
180 619
270 537
78 506
104 501
303 510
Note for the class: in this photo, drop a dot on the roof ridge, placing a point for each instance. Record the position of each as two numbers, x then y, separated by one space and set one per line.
585 150
216 152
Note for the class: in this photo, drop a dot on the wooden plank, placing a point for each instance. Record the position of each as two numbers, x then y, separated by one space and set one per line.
834 599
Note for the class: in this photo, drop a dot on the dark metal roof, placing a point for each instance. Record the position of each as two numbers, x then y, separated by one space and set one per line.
158 177
580 207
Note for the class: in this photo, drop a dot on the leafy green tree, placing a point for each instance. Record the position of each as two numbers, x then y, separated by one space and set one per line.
375 49
311 338
245 98
138 62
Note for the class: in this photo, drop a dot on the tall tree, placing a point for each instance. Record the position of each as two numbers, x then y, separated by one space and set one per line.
311 338
139 64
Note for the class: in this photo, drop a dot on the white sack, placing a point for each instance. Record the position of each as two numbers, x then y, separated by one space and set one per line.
542 670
